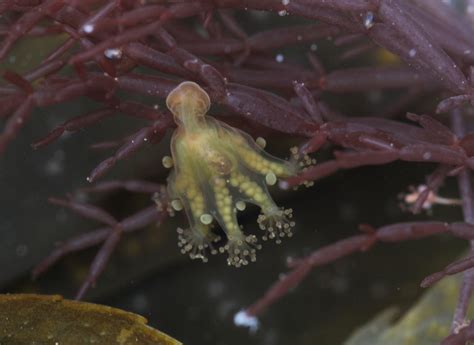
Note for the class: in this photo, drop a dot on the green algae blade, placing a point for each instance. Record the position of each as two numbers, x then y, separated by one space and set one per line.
426 323
29 319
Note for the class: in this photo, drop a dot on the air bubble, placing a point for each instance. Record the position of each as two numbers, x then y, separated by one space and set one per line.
243 319
284 185
113 54
88 28
369 20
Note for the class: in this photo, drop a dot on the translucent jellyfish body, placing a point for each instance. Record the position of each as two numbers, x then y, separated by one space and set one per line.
217 169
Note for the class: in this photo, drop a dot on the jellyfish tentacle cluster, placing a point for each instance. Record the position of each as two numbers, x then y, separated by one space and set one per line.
216 170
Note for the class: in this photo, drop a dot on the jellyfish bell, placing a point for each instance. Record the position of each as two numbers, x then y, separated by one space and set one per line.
188 99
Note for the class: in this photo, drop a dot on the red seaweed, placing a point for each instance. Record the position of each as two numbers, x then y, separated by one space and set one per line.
428 50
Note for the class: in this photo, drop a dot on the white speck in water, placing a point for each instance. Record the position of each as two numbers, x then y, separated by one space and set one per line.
369 20
242 319
412 52
113 53
55 165
260 15
339 284
285 2
313 47
347 212
282 13
61 216
279 58
427 155
299 38
88 28
467 52
215 288
140 302
81 196
21 250
375 96
283 185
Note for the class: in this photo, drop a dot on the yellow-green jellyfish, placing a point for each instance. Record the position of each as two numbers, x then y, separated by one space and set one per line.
216 170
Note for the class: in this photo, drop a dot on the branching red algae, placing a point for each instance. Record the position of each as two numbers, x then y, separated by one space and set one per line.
108 40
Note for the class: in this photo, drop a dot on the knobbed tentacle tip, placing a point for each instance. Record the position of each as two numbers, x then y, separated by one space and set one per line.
241 250
277 223
195 244
301 162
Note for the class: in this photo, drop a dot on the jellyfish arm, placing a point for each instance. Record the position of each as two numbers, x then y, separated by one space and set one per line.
186 192
253 171
257 160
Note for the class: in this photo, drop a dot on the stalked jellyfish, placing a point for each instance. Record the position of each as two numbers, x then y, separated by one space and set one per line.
216 170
